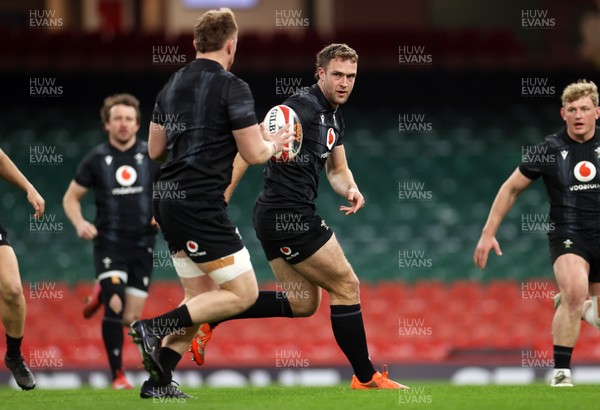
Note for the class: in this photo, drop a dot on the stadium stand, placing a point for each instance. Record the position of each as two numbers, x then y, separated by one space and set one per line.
95 52
424 327
382 242
413 256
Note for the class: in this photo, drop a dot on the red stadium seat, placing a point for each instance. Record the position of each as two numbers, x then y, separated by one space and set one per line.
457 317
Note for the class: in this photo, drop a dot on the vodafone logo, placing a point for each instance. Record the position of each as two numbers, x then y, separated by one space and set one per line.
330 138
126 175
285 250
192 246
584 171
194 249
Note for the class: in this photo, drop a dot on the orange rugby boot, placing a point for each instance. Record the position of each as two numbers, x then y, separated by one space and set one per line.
198 345
92 303
378 381
121 382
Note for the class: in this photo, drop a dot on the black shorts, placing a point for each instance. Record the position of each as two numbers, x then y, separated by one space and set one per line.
581 245
292 234
4 236
135 261
201 229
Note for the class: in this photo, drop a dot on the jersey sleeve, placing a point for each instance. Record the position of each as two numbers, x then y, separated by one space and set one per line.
240 105
85 174
531 164
157 112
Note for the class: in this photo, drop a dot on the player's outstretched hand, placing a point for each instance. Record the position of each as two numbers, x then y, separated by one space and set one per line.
281 138
87 231
484 246
37 202
356 199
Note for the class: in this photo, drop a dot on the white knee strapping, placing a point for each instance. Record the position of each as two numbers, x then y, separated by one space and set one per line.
231 270
186 268
110 273
221 270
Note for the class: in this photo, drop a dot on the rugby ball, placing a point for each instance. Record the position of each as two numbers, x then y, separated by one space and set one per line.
277 118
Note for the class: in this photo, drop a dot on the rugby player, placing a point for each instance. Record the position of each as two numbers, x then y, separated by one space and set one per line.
121 175
307 256
12 302
214 117
568 162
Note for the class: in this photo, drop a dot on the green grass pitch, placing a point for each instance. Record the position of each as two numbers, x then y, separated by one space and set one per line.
422 396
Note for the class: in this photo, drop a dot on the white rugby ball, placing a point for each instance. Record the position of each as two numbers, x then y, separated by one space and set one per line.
277 118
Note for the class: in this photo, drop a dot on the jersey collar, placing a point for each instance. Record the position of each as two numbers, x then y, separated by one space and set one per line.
207 63
322 99
116 150
594 139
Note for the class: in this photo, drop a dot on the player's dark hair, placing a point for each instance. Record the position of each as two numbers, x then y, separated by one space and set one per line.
333 51
123 99
213 29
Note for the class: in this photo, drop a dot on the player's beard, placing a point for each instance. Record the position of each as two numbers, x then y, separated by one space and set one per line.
123 139
341 100
335 99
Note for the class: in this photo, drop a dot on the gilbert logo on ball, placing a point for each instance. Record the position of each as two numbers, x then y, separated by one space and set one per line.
585 171
277 118
126 175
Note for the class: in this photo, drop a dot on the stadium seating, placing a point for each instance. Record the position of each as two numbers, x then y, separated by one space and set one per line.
74 51
450 163
460 313
424 322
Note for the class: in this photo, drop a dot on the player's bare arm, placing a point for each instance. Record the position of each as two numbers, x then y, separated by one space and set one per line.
254 149
157 142
341 180
239 169
506 197
10 172
72 206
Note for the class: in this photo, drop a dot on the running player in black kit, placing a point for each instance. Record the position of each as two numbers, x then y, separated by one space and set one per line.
202 118
307 257
569 163
12 300
121 175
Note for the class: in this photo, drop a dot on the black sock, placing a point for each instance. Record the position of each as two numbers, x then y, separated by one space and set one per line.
349 332
562 357
171 322
168 359
112 335
268 304
13 346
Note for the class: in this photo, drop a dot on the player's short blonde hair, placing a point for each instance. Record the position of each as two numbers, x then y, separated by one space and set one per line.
582 88
122 99
331 52
213 29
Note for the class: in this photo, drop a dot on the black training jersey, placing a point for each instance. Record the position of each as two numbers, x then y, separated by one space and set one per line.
122 184
571 172
295 183
199 107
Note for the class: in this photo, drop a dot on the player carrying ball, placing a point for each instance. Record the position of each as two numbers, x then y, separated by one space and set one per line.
306 256
215 119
